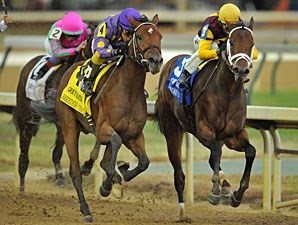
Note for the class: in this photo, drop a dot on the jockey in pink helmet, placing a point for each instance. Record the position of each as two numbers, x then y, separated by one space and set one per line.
66 37
111 37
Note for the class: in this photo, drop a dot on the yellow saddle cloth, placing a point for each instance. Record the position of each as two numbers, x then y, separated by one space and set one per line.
72 94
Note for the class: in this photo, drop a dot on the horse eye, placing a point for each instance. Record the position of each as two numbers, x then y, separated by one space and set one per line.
231 44
139 37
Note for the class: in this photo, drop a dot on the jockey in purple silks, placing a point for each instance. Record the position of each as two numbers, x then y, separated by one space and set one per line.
66 37
111 37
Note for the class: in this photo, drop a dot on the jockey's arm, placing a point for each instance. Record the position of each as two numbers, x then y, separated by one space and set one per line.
102 47
205 50
59 51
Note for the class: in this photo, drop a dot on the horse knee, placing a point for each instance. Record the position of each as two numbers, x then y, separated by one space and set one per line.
250 152
144 164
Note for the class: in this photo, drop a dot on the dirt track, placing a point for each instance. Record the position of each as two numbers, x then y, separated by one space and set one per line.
149 199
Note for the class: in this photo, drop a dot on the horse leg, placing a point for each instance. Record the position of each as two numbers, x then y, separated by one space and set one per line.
56 158
71 133
241 143
117 185
88 165
137 146
26 132
214 161
108 164
225 193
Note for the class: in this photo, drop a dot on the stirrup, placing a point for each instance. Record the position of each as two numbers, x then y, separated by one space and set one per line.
184 81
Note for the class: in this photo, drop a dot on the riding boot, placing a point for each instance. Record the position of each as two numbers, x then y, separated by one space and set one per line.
88 80
184 79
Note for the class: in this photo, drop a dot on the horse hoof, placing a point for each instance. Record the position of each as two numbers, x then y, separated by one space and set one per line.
60 182
88 218
85 171
214 199
117 191
225 196
233 201
86 168
104 192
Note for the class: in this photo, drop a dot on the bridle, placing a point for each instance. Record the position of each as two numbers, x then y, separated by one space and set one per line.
138 54
240 55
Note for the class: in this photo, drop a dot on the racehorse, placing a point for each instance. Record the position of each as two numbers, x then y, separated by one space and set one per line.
28 113
119 111
216 115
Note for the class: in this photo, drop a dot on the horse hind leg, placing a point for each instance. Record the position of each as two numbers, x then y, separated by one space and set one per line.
26 132
88 165
56 158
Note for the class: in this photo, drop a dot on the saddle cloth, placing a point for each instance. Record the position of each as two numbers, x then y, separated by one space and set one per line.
72 94
35 89
182 94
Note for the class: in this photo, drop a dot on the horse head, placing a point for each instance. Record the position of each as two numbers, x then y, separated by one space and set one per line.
145 45
239 50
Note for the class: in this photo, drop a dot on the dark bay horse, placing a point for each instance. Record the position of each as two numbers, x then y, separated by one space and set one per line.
119 112
218 113
28 114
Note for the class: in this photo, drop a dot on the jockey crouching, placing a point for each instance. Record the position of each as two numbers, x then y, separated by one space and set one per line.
211 35
111 38
66 38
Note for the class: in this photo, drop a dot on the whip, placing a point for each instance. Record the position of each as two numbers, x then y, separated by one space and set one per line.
4 7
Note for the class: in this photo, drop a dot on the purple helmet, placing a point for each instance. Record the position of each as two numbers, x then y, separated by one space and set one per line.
72 24
129 12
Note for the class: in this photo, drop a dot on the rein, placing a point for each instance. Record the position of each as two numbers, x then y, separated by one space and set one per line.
206 84
139 54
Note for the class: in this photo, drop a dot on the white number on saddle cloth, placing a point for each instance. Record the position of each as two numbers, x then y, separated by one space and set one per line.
178 69
55 33
35 89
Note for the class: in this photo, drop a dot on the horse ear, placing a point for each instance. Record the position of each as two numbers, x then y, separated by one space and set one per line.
133 22
155 19
251 23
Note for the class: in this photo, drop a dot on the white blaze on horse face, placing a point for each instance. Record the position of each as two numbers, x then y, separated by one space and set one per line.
150 31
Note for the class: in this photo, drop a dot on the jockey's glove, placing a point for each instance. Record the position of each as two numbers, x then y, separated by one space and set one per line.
221 49
119 52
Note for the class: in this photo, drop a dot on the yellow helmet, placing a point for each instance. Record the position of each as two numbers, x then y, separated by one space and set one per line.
229 13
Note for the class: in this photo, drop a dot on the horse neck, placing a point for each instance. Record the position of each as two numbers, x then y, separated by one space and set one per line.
224 79
133 77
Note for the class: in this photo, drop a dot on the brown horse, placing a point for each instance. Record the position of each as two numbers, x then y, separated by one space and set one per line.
119 112
27 115
216 116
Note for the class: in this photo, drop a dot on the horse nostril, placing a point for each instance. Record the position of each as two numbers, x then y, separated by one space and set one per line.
156 60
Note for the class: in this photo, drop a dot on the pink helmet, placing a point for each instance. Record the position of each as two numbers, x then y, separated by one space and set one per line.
72 24
128 12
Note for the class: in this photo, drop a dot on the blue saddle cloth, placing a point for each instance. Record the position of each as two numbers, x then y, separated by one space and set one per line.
182 94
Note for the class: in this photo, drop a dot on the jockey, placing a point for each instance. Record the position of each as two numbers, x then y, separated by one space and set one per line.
207 42
111 38
66 37
4 22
